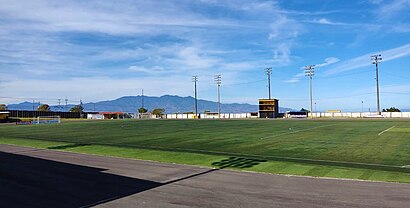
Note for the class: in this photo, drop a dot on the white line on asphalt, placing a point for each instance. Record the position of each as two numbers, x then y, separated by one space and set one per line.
386 130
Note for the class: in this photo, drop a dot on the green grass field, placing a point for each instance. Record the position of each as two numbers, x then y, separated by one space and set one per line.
358 149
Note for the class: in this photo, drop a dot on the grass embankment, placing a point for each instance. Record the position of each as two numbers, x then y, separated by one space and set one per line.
324 148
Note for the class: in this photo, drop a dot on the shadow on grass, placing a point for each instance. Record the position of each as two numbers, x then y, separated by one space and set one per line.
238 162
67 146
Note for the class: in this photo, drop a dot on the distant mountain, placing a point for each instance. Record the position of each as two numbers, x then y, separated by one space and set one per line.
405 110
171 104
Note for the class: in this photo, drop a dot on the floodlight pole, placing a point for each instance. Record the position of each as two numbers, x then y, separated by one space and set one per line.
195 80
218 82
269 72
309 71
66 100
142 98
376 59
59 104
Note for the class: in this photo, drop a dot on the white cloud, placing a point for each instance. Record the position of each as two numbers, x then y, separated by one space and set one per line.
152 70
364 60
105 17
328 61
298 76
95 88
393 8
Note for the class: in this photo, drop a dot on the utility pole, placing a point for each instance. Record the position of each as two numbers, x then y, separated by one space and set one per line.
217 79
59 104
362 106
269 72
195 80
309 71
66 100
375 60
142 98
81 109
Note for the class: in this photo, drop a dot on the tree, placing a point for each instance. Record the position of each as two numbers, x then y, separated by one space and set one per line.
142 110
3 107
77 109
392 109
43 107
158 111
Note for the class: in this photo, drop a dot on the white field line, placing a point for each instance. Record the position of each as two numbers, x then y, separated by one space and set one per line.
405 166
293 132
386 130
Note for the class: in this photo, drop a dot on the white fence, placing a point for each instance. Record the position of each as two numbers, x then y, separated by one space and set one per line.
361 115
209 116
316 115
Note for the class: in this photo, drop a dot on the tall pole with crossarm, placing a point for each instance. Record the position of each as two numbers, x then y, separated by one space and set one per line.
309 71
375 60
218 82
195 80
269 72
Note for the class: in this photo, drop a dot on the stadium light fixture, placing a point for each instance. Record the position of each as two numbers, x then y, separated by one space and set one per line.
195 80
268 71
376 60
217 79
309 72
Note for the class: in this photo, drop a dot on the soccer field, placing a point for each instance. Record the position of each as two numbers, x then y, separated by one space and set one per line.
368 149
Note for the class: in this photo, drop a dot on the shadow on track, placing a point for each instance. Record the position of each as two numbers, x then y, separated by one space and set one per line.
33 182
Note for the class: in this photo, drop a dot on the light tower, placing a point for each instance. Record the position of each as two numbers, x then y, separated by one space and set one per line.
195 80
217 79
269 72
309 71
375 60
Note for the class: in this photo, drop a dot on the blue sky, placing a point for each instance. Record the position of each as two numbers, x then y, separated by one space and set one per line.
99 50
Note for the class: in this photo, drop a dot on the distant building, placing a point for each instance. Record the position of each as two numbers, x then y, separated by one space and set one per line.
4 115
106 115
268 108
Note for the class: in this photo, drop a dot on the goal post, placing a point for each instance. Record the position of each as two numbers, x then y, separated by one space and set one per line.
47 119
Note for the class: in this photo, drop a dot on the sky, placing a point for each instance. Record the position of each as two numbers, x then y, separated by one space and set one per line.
101 50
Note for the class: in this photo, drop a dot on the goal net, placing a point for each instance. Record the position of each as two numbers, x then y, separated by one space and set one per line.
47 119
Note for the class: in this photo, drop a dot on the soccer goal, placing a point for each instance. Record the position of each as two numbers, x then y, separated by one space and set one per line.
47 119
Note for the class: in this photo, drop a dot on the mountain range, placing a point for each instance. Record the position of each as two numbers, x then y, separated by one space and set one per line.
171 104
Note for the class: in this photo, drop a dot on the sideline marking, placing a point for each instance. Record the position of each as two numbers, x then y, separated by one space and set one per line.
293 132
386 130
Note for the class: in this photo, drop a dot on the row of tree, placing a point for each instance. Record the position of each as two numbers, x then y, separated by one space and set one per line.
156 111
46 107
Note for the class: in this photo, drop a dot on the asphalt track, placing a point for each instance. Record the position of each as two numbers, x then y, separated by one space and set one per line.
47 178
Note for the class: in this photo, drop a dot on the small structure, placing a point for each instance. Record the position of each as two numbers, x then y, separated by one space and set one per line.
211 114
97 116
106 115
113 115
268 108
296 114
4 115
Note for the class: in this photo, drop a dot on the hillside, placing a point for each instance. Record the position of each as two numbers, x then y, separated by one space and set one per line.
171 103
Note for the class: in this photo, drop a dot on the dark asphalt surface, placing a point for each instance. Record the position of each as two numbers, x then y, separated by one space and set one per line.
46 178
